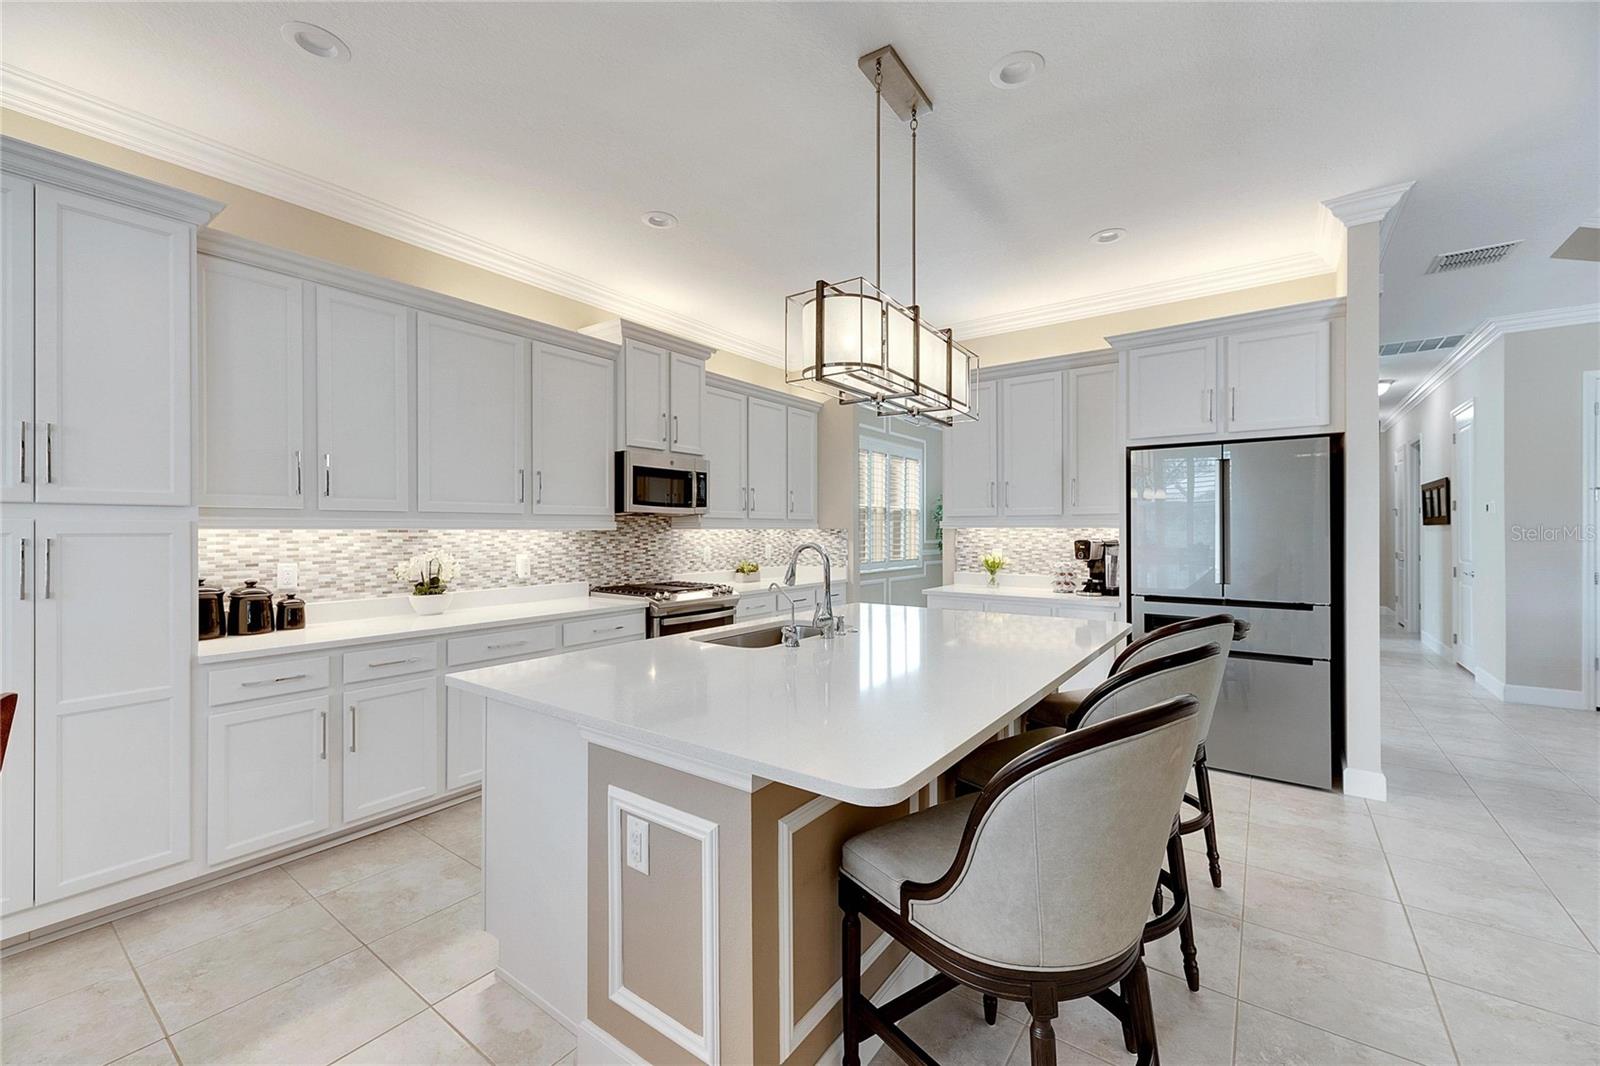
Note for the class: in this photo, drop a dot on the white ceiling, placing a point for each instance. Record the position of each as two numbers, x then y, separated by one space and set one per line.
534 135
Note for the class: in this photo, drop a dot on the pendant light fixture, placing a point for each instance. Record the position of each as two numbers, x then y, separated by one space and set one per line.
850 339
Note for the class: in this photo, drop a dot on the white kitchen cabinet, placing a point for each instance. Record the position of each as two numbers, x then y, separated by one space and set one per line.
1277 378
112 698
572 432
1094 445
768 462
802 464
16 337
726 449
1031 446
112 326
972 478
363 403
1172 389
17 592
472 418
252 427
391 745
646 371
463 746
687 394
267 776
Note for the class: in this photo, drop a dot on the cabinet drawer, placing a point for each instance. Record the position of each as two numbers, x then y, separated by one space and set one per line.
593 630
369 664
279 677
756 604
1017 607
503 644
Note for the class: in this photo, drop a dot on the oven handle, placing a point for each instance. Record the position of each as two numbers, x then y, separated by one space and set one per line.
670 621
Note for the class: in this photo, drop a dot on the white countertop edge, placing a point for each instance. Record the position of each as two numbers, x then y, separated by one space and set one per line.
645 744
1025 592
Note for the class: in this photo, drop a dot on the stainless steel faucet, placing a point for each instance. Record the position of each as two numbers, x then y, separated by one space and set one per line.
824 612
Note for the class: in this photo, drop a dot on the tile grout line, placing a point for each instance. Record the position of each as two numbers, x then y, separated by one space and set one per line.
139 979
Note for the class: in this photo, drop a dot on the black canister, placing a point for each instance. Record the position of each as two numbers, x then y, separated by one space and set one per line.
249 610
212 617
291 612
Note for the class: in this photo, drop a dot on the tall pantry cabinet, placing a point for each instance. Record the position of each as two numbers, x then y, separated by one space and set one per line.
97 278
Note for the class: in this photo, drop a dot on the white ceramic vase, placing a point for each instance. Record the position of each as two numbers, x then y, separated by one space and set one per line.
435 604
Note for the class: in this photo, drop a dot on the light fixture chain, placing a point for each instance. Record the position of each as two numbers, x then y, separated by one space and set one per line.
914 205
877 163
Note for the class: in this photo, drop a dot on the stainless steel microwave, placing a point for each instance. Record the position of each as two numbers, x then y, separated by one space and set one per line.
651 482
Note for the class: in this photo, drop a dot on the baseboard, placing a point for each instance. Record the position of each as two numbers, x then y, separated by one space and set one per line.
1567 698
1365 784
1493 685
911 972
596 1047
1432 644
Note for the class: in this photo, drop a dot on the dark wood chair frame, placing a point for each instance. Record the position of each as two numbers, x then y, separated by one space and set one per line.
1041 990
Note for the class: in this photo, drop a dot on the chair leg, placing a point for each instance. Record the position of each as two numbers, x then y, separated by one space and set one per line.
852 987
991 1009
1202 781
1136 990
1041 1034
1180 895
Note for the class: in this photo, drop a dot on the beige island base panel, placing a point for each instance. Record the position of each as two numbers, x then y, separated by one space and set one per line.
775 930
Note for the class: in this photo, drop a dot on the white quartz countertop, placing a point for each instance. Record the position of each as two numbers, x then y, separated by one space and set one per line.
867 718
318 636
1026 592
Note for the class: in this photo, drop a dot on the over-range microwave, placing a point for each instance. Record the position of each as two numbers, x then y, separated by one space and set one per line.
652 482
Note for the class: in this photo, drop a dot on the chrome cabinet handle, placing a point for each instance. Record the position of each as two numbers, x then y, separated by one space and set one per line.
49 570
22 442
507 644
1211 406
298 487
352 727
273 681
538 493
395 662
1074 492
327 473
791 501
22 569
674 429
663 427
49 455
522 485
323 754
1008 494
752 497
1233 403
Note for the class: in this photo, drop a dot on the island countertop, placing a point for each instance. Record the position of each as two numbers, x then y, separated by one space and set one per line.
867 718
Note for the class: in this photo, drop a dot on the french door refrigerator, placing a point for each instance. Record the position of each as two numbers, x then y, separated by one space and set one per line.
1249 527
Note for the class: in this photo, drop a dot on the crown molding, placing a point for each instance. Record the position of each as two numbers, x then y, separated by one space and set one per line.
1479 340
69 172
53 102
1311 311
1381 205
1230 279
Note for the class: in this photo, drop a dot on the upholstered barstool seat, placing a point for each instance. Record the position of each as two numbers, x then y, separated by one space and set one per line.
1057 709
979 768
918 847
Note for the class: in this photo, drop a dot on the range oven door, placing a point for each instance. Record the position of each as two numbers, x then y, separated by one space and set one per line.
660 483
670 625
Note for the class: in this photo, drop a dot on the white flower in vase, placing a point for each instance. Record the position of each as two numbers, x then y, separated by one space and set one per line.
429 576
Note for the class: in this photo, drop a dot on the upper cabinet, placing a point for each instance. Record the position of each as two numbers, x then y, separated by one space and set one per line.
661 388
687 403
802 465
761 457
767 492
363 402
472 418
16 337
972 469
726 442
1094 445
646 370
572 434
1266 373
1031 446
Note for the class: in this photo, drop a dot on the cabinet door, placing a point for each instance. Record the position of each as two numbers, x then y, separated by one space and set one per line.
1094 448
726 450
252 335
16 337
363 403
802 456
472 418
1277 378
972 467
267 777
112 708
768 459
1030 450
463 744
1172 389
111 352
17 591
573 397
688 404
644 395
391 738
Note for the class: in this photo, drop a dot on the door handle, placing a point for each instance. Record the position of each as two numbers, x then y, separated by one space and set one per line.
297 473
323 754
327 473
22 569
352 727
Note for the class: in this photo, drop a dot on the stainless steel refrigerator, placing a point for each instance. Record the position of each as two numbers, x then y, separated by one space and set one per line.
1249 527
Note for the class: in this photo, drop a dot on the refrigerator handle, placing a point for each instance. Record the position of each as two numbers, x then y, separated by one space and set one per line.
1224 519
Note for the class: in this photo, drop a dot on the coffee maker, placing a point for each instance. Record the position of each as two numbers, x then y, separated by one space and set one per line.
1104 558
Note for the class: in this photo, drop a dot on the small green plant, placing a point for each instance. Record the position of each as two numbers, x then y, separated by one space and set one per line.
747 567
994 562
938 520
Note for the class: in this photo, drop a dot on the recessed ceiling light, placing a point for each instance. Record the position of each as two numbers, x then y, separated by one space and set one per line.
1384 385
1015 69
313 40
659 219
1108 236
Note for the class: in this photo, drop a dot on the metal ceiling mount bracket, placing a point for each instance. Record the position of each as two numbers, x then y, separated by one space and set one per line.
900 89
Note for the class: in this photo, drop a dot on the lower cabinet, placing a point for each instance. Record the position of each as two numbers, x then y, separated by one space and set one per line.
463 745
267 777
391 746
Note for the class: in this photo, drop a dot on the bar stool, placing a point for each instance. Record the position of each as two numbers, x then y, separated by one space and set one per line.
1032 889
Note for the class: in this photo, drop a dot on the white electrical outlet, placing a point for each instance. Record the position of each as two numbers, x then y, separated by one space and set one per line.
524 564
639 845
288 575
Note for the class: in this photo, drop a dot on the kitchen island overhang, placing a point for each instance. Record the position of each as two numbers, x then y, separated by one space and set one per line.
747 769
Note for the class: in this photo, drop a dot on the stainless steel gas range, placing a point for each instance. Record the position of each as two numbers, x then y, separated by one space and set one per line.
679 606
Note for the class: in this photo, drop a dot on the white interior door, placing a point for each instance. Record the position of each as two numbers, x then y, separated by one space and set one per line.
472 418
17 591
363 403
1413 535
572 434
1462 507
16 337
1397 534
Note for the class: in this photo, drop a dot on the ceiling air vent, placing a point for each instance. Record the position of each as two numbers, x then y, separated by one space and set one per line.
1427 345
1471 257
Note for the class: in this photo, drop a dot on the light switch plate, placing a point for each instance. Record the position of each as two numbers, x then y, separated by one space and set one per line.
639 845
288 575
524 564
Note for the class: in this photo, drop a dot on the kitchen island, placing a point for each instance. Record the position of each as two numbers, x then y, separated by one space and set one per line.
662 820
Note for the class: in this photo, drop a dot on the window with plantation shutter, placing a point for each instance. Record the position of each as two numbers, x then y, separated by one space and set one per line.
889 495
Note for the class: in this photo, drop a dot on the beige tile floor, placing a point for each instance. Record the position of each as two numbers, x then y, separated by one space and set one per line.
1456 923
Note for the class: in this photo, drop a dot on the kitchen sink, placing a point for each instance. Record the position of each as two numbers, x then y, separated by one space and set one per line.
767 637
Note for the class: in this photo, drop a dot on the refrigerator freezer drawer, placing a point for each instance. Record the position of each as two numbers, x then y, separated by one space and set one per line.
1274 719
1303 633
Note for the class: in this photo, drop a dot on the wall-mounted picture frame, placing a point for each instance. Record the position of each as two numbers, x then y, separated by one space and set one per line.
1436 502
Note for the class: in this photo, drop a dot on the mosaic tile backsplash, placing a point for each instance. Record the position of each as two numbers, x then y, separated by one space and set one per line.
1027 551
346 564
